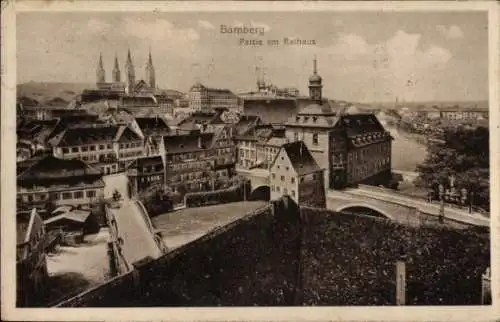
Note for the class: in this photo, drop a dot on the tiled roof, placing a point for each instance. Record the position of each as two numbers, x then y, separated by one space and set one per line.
138 101
201 117
271 110
79 216
257 132
300 157
144 161
93 135
188 142
52 167
152 125
39 130
24 165
357 124
245 123
277 141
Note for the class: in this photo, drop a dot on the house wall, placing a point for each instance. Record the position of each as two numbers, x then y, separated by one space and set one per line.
320 150
283 179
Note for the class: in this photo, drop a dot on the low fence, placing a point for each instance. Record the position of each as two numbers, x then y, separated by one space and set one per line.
117 260
400 202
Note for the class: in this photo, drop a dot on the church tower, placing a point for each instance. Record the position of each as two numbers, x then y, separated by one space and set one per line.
130 75
116 71
315 85
100 73
150 73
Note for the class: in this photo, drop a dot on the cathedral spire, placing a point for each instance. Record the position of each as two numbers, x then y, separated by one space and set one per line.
129 57
116 71
130 74
150 60
100 73
150 72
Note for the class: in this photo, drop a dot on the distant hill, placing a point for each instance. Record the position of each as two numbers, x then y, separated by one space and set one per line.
56 94
417 105
47 93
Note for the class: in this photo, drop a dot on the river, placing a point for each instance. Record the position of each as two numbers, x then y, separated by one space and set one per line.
407 153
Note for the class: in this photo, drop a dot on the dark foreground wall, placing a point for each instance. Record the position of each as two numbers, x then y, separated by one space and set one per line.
280 256
252 261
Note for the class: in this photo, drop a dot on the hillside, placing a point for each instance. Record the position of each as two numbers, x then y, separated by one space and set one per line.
53 93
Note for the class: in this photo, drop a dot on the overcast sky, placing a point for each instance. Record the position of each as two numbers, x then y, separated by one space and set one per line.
361 56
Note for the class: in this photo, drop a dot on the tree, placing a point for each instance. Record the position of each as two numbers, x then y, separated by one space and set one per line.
464 154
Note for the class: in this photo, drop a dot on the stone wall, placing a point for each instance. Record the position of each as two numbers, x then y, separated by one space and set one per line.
252 261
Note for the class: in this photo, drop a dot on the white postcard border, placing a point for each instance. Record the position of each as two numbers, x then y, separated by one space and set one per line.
8 182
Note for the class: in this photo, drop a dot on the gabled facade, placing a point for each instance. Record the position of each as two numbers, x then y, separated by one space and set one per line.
151 130
146 172
224 154
109 146
295 173
32 275
247 142
190 162
59 181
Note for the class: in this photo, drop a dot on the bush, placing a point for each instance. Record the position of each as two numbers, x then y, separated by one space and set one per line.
157 202
232 194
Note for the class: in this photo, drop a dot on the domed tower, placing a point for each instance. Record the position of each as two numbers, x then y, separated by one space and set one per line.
150 72
116 71
100 73
130 74
315 85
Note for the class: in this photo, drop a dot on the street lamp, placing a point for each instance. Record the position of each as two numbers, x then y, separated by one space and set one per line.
244 190
441 198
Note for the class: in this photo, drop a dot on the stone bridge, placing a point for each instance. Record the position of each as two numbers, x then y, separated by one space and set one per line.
259 179
399 207
132 235
385 202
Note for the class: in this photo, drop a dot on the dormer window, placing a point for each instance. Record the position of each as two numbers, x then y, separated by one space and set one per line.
297 118
315 118
306 118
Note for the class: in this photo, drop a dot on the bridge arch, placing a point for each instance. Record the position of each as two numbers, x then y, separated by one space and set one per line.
355 206
262 192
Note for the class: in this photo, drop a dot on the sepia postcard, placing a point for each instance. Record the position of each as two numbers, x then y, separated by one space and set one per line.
250 161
